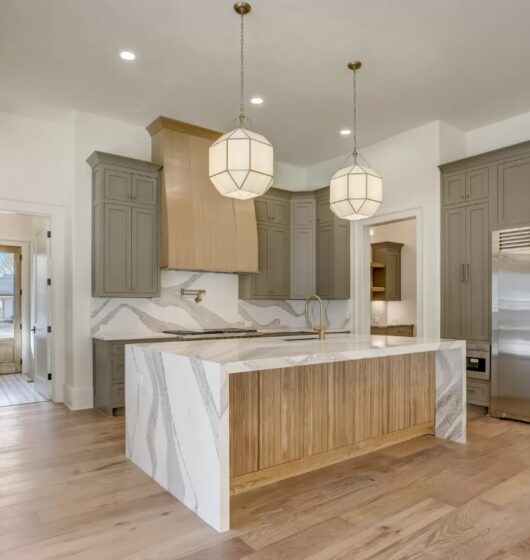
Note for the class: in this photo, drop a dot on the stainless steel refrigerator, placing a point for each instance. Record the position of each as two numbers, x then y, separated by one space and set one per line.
510 348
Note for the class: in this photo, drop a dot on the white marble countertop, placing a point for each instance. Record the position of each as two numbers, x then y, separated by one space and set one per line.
253 354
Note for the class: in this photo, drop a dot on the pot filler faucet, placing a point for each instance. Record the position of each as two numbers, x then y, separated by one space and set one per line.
321 328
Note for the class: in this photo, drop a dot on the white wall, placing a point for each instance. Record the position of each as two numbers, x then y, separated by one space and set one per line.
399 312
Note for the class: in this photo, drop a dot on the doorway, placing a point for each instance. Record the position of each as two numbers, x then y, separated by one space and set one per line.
25 312
394 278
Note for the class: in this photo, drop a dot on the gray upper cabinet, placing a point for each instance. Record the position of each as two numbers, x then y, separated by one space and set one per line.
466 186
513 195
303 248
333 251
273 225
125 226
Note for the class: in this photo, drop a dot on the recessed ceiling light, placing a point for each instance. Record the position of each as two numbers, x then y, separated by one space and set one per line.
345 131
256 100
127 55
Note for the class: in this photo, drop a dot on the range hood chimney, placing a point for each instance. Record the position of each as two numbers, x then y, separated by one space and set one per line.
200 229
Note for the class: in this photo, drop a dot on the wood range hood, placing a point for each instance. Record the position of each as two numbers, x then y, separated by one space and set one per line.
200 229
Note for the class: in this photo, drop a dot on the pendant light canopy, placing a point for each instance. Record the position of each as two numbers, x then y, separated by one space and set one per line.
241 162
355 191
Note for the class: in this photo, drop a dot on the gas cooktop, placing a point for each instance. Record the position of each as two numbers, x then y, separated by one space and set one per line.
199 332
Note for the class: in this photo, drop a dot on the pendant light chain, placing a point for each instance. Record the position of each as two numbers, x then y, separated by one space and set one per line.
242 75
354 116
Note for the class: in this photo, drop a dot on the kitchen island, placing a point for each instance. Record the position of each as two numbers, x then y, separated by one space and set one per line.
208 419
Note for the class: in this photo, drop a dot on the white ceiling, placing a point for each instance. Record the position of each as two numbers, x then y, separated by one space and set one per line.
462 61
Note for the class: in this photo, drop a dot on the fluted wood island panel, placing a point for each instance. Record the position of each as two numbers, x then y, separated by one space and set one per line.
291 420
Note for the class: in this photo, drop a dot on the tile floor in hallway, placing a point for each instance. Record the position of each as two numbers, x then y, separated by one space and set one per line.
68 492
15 389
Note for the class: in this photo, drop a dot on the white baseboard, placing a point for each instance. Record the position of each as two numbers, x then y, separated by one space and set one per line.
78 398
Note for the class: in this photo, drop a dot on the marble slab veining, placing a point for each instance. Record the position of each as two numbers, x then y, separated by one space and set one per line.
177 403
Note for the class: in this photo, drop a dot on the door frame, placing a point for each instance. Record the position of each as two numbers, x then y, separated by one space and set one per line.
360 268
25 311
56 217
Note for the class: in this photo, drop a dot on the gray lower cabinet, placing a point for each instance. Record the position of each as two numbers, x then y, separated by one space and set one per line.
109 373
125 226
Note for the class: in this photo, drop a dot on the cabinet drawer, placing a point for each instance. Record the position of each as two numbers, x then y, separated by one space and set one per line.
118 369
118 394
379 330
400 331
145 190
478 392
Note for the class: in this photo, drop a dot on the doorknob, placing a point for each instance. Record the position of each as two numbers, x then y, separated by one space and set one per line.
34 329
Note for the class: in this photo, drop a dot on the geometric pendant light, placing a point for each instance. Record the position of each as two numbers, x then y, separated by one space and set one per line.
241 162
355 191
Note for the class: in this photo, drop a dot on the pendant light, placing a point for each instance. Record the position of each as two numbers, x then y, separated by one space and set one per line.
356 191
241 162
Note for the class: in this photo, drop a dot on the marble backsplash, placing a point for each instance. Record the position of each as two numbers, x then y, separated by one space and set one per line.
220 308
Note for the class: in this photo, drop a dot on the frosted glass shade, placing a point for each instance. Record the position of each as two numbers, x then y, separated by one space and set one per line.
241 164
355 192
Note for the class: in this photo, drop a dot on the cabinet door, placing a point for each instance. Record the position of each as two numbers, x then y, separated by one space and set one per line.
454 256
477 273
477 184
324 214
454 189
341 260
260 281
279 211
279 262
303 213
145 190
393 275
303 262
117 185
324 260
514 192
144 278
261 205
117 248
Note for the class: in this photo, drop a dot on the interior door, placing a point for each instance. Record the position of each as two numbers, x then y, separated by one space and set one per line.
10 316
41 338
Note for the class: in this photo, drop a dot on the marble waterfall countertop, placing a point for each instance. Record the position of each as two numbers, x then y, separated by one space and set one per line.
251 354
177 402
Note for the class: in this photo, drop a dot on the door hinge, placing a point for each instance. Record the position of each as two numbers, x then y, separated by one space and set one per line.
20 256
49 328
49 281
20 326
20 291
20 361
48 234
49 376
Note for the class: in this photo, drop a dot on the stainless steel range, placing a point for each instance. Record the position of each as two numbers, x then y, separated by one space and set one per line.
510 352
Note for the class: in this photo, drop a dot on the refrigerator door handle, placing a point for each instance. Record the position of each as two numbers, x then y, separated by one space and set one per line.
462 273
467 273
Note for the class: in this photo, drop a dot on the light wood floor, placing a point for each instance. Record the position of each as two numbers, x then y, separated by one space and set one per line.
67 491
